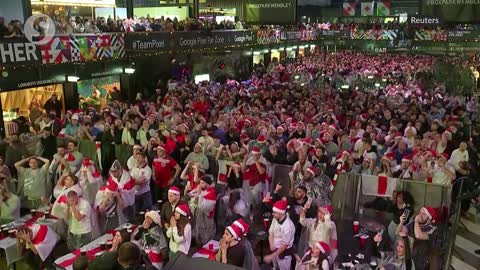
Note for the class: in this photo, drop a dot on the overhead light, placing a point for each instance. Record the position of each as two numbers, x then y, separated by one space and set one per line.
129 70
345 86
273 51
72 79
370 77
384 80
256 53
377 84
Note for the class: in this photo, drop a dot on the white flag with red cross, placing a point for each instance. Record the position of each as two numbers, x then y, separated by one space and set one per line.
381 186
367 8
348 9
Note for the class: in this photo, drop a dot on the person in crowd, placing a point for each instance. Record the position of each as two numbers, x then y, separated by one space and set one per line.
179 230
315 258
73 156
53 105
130 258
168 208
90 180
9 202
108 260
142 175
132 160
255 172
150 238
73 130
197 156
114 202
319 229
231 251
280 237
204 199
165 171
79 215
442 172
420 229
36 242
32 181
66 183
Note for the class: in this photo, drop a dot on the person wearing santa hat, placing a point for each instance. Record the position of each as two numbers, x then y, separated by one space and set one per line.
132 161
299 132
204 201
173 200
36 242
150 238
89 179
421 229
231 250
321 228
73 157
280 237
442 172
80 219
179 231
317 257
165 171
405 169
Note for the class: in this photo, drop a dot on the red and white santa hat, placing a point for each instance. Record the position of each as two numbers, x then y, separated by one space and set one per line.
389 156
235 231
431 212
256 150
443 155
364 116
327 209
242 225
280 129
261 138
280 207
183 210
174 190
311 170
333 126
406 158
324 247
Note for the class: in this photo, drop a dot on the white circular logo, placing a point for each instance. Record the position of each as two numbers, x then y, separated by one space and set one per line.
39 29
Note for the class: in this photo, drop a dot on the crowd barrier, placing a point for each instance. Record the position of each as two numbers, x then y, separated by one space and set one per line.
348 196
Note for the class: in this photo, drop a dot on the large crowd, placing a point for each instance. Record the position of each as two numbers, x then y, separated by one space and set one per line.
202 159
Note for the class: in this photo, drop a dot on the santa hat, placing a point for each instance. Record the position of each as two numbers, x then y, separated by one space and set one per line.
188 114
256 150
280 129
431 212
307 141
261 138
345 152
174 190
311 170
443 155
280 207
407 158
333 126
448 131
154 216
389 156
327 209
324 247
248 121
235 231
237 164
242 225
137 147
364 116
183 210
160 148
244 136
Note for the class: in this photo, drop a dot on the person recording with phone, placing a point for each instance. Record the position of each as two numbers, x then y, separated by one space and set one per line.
402 203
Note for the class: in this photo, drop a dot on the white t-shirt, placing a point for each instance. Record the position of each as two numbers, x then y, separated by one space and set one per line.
283 233
83 225
440 177
137 173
